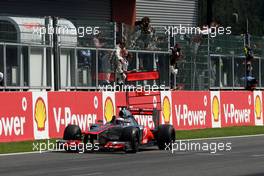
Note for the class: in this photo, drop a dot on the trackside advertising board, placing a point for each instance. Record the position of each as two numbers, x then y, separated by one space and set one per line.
80 108
237 108
16 123
42 115
258 108
191 110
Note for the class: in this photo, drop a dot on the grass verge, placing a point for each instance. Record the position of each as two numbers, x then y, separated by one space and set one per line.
27 146
219 132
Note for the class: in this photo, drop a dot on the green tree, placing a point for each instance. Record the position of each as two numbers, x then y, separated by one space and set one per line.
223 13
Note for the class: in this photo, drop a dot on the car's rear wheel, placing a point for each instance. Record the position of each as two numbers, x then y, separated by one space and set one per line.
131 135
166 135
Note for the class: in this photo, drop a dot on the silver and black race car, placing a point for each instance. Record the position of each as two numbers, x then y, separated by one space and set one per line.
121 133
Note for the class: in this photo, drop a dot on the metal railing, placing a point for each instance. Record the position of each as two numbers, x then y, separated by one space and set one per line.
16 64
85 64
84 67
217 62
93 70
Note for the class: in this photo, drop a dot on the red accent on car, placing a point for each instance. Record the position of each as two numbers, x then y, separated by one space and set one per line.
147 135
115 145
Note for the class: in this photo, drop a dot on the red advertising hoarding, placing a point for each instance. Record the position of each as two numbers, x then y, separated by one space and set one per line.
191 109
16 123
81 108
23 115
237 108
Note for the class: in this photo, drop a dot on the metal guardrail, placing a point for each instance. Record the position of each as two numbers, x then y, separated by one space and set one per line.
195 70
87 75
73 68
207 63
200 52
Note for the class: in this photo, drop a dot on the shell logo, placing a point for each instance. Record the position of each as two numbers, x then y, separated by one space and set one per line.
258 108
166 109
215 108
40 114
108 109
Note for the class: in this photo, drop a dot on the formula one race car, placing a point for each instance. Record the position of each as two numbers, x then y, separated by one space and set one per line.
121 133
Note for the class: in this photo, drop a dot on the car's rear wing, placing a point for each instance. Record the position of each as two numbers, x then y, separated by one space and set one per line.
153 112
144 102
142 76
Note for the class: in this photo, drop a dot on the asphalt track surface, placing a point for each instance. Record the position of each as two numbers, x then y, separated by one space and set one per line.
245 159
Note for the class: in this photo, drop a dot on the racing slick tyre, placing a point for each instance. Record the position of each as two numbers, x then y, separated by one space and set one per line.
166 135
72 132
131 135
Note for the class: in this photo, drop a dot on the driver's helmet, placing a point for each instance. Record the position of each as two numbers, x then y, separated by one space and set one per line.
124 113
119 121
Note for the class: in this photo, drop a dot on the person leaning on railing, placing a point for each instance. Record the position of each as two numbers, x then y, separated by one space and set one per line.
176 55
120 62
251 82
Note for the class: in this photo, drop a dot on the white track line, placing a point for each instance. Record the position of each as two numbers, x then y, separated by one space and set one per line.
88 174
209 154
227 137
259 155
23 153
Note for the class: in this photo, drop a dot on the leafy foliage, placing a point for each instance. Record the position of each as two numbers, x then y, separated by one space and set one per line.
223 12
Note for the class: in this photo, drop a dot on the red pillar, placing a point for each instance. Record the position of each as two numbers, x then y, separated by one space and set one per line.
124 11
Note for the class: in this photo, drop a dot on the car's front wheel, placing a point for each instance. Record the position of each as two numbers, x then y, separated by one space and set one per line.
72 132
131 135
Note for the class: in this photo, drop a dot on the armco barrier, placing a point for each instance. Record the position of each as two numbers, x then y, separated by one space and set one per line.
42 115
